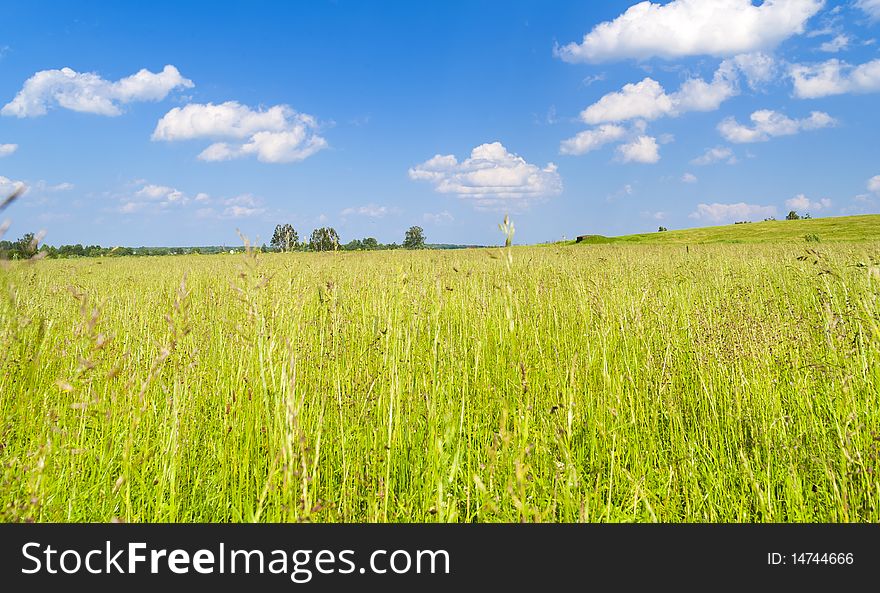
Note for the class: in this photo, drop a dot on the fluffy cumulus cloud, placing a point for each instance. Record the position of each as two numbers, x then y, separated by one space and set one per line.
689 178
692 27
89 93
803 203
834 77
871 8
731 212
648 100
874 184
7 149
643 149
278 134
589 140
767 124
490 175
717 154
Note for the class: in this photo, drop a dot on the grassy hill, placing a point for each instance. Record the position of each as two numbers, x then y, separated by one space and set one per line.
842 228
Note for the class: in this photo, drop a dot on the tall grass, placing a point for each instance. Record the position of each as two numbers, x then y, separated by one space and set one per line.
603 383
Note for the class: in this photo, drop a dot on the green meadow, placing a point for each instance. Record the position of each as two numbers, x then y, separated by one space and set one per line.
666 380
864 227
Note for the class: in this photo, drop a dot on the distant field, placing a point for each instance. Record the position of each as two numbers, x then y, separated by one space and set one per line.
617 383
843 228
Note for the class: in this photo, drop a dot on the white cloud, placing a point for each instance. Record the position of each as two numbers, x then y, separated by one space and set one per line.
240 212
229 119
758 68
40 187
834 77
653 215
7 149
370 211
8 186
715 155
689 178
696 94
626 190
155 192
874 184
768 124
152 197
438 217
643 149
648 100
692 27
871 7
645 99
861 204
803 203
594 78
278 134
731 212
839 43
490 175
242 206
89 93
592 139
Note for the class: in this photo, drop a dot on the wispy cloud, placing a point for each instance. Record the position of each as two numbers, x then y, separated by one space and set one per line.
768 124
715 155
731 212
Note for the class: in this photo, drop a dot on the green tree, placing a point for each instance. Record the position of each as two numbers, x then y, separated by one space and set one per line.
793 216
324 239
285 238
415 238
24 247
370 243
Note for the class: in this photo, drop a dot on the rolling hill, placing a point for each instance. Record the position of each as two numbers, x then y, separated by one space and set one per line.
841 228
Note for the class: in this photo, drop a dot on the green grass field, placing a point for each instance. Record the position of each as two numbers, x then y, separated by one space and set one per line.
618 382
840 228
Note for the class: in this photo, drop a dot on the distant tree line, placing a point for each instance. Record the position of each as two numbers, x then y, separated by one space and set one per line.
25 248
284 239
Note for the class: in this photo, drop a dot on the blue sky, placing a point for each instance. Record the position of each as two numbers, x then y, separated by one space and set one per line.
178 123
